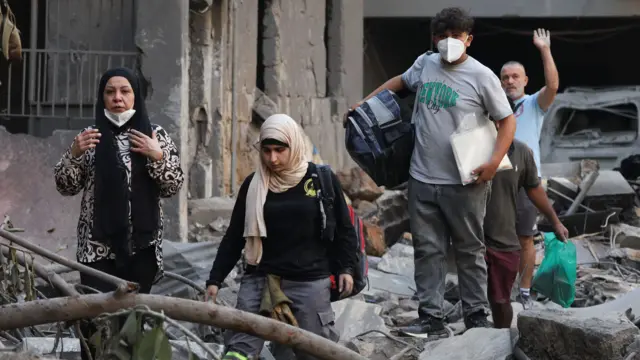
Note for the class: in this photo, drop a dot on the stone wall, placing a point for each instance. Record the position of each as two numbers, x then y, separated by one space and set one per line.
28 192
311 54
304 55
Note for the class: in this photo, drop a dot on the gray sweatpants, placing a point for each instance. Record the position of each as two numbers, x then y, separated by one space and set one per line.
438 213
311 307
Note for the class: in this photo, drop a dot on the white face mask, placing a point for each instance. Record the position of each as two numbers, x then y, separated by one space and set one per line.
451 49
119 119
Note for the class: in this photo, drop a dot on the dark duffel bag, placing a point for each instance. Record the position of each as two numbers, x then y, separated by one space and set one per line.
380 141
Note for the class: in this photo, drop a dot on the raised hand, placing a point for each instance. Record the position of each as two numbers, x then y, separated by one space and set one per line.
542 39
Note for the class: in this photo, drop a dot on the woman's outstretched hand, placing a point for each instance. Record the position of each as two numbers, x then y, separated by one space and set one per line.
147 146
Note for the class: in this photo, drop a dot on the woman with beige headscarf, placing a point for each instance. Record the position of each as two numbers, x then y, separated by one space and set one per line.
277 220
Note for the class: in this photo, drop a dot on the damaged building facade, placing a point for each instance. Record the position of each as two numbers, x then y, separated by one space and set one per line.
215 69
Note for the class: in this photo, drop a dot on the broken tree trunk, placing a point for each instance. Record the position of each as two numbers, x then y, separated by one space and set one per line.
89 306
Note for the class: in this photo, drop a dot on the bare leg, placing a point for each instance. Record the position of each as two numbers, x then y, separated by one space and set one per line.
527 261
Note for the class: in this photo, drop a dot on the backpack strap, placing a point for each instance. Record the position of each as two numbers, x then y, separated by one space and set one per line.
515 108
323 182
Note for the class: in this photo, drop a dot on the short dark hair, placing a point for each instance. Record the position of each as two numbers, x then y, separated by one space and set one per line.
451 19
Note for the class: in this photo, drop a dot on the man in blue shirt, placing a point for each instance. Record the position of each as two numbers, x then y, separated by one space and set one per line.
529 112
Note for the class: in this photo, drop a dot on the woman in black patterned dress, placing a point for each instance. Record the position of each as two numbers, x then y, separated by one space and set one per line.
124 165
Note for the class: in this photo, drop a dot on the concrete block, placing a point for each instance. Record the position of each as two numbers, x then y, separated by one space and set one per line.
379 347
345 34
398 260
201 176
67 348
263 105
339 106
204 211
395 284
353 317
478 344
293 38
299 110
320 112
610 189
549 334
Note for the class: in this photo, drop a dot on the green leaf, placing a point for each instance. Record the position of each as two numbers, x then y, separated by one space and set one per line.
164 350
145 348
130 331
96 339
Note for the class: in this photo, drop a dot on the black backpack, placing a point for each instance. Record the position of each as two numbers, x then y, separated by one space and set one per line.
326 198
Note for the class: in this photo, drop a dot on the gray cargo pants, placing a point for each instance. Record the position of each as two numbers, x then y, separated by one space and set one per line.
311 307
438 213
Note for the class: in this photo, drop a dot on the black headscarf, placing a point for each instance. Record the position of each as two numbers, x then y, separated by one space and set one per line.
112 195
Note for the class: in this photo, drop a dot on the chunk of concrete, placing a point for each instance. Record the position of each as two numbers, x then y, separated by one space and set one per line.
379 347
564 335
398 260
610 189
375 244
354 317
392 215
24 356
358 185
396 284
67 348
477 344
205 211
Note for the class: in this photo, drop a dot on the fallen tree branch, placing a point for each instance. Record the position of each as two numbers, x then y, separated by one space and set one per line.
64 261
57 281
89 306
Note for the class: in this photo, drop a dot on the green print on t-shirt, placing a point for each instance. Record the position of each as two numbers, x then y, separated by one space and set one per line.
437 95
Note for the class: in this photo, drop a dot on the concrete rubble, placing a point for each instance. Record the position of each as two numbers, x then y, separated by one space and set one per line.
601 323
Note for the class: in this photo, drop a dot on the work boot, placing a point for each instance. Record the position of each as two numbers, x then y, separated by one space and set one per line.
477 320
525 300
425 327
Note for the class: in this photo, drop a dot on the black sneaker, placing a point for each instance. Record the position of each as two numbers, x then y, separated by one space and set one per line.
477 320
426 327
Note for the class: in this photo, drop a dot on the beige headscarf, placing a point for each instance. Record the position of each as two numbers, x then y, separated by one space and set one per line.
283 128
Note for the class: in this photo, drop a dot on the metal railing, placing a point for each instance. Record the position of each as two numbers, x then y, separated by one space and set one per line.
62 84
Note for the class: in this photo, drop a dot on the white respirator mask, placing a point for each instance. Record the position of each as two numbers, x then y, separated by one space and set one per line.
451 49
121 118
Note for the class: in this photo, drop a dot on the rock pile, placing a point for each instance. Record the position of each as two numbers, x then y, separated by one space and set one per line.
384 212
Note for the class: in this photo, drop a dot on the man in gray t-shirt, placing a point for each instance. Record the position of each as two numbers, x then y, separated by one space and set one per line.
450 85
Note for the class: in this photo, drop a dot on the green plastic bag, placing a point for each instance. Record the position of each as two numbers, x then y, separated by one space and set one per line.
556 276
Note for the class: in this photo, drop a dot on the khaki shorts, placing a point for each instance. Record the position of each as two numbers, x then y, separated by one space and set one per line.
527 215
